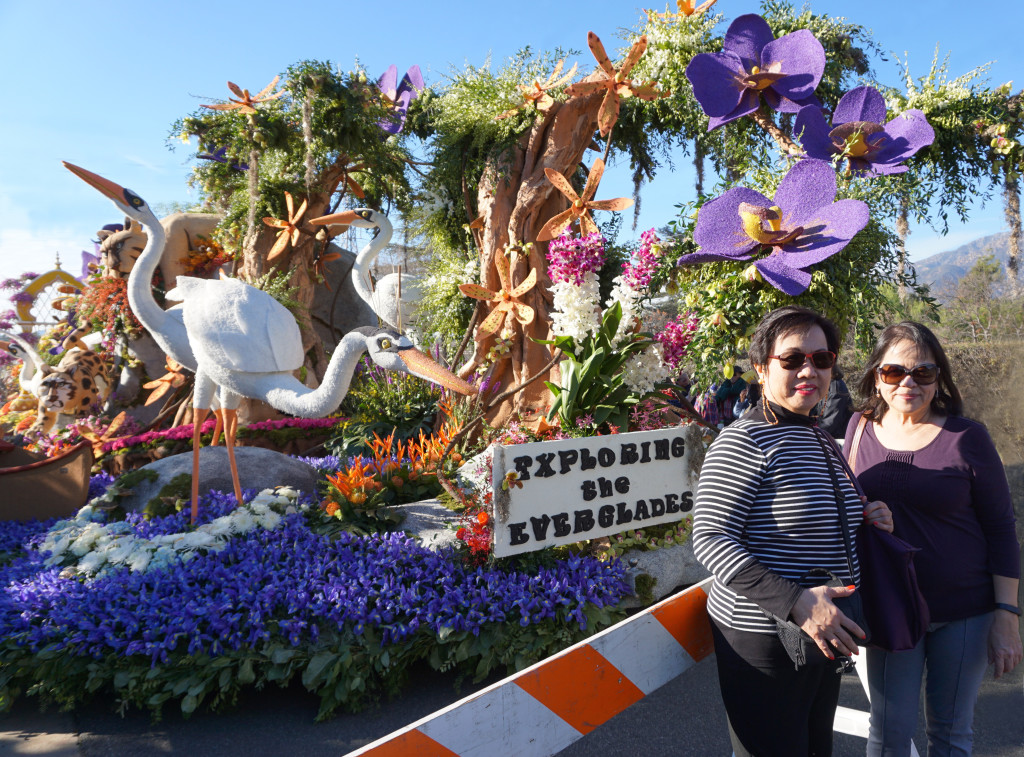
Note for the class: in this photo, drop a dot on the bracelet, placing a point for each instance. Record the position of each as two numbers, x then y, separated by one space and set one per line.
1009 608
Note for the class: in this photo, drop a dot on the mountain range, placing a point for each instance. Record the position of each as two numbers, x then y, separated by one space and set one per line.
941 271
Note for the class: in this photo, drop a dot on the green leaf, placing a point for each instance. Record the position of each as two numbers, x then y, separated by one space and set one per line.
246 674
311 675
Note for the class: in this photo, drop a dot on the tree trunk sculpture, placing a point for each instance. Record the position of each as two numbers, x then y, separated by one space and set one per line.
516 199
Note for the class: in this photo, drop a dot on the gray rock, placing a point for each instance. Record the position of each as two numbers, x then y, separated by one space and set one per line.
258 468
431 523
670 567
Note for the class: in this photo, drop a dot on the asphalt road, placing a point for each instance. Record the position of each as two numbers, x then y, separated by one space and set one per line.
684 717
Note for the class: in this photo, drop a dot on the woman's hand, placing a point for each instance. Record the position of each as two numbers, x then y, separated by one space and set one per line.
878 514
817 614
1004 645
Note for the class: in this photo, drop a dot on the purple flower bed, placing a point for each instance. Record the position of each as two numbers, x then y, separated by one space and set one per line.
270 604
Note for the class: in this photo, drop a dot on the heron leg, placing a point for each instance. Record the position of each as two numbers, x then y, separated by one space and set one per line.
219 415
198 416
230 429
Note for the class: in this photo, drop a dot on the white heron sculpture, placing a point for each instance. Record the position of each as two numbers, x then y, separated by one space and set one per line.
33 369
241 342
392 297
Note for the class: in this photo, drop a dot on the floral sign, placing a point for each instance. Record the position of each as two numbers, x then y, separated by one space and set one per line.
560 492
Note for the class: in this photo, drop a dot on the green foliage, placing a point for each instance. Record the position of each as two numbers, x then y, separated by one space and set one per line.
955 169
384 402
592 379
302 143
463 135
344 669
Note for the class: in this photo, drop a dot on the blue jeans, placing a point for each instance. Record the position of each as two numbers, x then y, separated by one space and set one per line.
953 657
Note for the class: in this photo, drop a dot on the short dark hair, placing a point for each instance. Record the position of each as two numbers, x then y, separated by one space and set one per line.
947 398
783 321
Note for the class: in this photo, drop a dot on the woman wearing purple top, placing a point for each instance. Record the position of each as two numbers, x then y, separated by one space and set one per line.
942 477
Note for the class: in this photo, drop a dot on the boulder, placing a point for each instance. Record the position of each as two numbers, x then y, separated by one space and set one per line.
668 569
430 522
257 469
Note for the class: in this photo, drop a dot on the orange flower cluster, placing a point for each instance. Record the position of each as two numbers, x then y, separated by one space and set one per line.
394 466
355 484
205 258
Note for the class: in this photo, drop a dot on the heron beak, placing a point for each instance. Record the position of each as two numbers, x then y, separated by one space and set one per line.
5 346
420 364
345 218
105 186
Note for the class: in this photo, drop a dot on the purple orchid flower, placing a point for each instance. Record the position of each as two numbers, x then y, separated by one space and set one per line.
399 95
858 135
728 85
220 155
802 225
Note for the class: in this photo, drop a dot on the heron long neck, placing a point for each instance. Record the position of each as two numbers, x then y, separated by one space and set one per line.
292 397
366 258
140 280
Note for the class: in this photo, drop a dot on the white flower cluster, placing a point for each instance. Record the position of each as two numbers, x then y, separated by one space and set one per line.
89 548
645 369
575 310
629 298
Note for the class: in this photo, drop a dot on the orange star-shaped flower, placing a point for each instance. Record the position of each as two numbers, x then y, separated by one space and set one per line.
615 82
537 93
289 228
507 298
320 265
246 102
686 8
581 205
168 383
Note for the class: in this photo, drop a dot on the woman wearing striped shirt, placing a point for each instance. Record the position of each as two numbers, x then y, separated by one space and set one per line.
766 514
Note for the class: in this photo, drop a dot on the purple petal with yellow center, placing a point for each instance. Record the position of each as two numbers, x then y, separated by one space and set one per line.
746 37
860 104
801 57
749 102
719 229
715 83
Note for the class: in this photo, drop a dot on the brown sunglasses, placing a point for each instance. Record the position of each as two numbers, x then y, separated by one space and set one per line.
923 374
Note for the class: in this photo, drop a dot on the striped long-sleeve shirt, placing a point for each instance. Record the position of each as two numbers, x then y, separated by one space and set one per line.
765 514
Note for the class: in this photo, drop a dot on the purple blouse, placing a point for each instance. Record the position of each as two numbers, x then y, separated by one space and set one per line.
951 500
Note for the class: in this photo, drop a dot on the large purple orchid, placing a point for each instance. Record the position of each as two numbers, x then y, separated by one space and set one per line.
802 226
728 85
858 135
397 95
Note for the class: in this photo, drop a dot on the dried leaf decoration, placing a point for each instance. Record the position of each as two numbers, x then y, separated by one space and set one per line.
168 383
537 93
507 298
98 440
615 82
246 103
581 204
289 228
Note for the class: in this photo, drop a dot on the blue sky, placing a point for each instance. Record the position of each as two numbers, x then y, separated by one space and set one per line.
99 84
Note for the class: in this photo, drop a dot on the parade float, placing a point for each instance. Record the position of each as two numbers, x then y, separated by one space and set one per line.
560 452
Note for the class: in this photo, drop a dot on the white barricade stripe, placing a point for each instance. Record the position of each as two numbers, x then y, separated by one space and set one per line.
649 656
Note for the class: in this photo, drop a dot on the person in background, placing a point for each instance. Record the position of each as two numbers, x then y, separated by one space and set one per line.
727 394
942 477
766 513
835 411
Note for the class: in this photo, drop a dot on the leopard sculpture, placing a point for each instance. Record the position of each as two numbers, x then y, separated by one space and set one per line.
74 387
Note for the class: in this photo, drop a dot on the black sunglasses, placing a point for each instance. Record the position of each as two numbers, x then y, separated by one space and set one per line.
793 361
923 374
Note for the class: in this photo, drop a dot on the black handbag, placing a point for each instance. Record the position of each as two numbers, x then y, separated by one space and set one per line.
798 644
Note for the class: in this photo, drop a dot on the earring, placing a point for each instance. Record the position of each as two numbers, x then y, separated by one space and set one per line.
769 414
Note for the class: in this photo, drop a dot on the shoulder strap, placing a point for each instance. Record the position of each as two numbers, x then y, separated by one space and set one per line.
855 443
844 522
